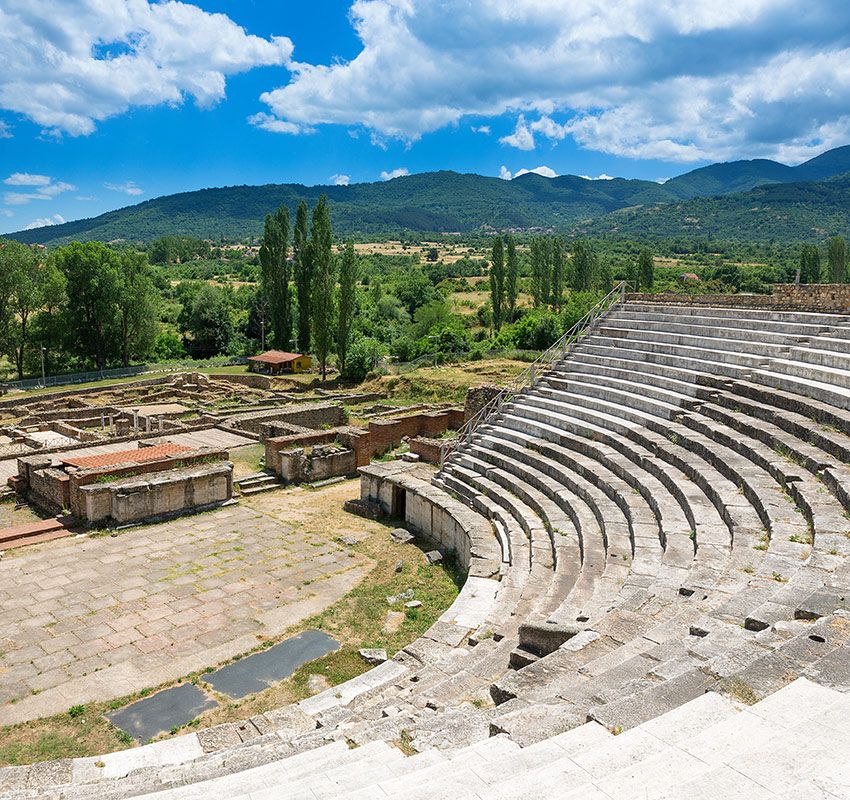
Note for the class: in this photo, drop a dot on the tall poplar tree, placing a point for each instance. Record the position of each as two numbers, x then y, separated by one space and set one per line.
810 264
837 260
557 293
274 266
347 303
646 269
303 276
322 292
581 274
511 279
497 281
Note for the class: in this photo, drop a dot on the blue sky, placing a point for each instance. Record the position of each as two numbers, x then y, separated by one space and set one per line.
104 103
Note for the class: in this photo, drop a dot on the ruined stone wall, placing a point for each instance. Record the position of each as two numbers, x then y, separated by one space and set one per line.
426 448
829 298
300 466
156 495
477 397
313 415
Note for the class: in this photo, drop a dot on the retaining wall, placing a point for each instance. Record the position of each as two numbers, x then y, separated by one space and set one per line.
829 298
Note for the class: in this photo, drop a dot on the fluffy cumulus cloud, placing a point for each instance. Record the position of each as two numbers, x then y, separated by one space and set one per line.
68 68
398 172
43 222
340 180
128 187
645 78
547 172
28 187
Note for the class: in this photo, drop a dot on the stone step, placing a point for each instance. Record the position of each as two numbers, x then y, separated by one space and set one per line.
35 532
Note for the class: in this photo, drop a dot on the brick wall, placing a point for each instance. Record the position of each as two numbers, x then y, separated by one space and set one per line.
830 298
427 449
380 435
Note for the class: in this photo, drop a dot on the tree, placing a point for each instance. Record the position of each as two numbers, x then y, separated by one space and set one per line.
24 278
837 260
274 263
557 273
137 306
322 291
497 281
511 279
602 279
93 284
347 303
810 264
646 269
208 322
539 272
362 359
583 266
303 275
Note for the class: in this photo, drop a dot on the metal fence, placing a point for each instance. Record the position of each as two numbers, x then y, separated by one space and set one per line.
529 376
120 372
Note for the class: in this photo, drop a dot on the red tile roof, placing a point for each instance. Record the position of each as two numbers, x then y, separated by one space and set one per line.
137 456
275 357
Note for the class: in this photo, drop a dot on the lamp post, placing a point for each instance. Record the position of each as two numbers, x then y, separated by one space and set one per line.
43 375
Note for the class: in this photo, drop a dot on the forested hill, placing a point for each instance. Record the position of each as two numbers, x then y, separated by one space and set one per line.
782 213
787 203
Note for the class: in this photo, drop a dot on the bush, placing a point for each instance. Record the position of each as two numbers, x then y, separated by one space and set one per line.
363 357
536 331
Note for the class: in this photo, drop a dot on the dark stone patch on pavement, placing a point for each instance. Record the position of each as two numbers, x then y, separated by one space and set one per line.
258 671
161 712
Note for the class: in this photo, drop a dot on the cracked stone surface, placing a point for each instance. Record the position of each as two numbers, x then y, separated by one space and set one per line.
89 619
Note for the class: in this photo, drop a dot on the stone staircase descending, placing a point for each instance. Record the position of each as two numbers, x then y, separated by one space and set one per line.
257 483
658 600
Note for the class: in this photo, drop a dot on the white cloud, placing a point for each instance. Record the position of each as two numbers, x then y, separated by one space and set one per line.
602 177
5 131
504 173
546 172
485 129
340 180
655 79
274 125
128 187
6 212
522 138
70 66
399 172
43 222
42 187
27 179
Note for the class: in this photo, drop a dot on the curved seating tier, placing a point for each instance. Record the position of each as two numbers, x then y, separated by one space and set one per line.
656 534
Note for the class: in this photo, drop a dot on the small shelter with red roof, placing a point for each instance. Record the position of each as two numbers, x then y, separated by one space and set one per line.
275 362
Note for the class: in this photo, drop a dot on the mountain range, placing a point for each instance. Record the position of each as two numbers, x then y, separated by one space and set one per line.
758 200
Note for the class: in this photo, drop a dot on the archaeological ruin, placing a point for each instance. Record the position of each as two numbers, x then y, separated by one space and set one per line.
654 524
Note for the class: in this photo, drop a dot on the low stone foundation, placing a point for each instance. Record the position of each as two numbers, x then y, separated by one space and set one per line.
305 465
144 484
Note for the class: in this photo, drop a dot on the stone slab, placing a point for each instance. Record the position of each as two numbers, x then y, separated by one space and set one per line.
161 712
258 671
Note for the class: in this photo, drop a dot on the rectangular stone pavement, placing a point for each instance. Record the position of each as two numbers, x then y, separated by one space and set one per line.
90 619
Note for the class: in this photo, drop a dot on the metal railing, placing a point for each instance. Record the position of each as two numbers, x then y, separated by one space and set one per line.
529 376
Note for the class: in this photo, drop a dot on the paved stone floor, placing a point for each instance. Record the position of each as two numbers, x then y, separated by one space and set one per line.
89 619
